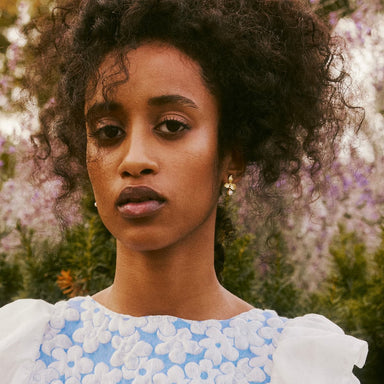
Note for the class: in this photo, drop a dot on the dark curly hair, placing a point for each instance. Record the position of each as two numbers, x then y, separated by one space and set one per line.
272 64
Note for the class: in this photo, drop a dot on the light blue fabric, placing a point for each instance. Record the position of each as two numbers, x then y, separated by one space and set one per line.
88 344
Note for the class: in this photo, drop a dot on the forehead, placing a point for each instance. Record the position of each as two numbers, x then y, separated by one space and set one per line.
160 66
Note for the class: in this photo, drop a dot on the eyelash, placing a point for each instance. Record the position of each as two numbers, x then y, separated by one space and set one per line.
100 133
171 120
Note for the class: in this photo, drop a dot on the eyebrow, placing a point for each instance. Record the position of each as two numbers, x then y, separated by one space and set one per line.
171 99
103 107
112 106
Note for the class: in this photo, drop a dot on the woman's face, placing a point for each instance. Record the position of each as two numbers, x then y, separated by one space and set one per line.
152 153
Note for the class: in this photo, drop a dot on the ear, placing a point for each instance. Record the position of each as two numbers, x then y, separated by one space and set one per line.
233 164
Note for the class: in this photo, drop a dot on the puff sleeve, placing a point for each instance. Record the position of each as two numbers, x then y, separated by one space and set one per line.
312 349
22 326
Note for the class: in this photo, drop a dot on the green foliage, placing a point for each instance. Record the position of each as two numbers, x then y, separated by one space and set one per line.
82 263
239 272
40 264
10 280
266 282
89 253
275 288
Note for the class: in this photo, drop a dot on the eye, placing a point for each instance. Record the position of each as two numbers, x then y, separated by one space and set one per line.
171 126
108 133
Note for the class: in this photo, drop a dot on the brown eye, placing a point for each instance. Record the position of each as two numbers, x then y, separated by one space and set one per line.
111 131
108 133
171 126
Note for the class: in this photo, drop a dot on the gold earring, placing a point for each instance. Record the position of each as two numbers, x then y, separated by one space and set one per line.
230 186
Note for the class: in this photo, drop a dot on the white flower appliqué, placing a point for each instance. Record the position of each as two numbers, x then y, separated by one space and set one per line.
126 326
72 363
203 372
144 373
162 325
175 375
93 333
177 346
218 345
103 375
129 351
244 333
43 375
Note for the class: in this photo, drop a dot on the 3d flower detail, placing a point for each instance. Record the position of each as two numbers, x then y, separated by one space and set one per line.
102 375
71 363
144 373
218 346
203 372
178 346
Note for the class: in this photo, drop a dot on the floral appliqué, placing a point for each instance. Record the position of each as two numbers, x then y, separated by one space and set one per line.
85 343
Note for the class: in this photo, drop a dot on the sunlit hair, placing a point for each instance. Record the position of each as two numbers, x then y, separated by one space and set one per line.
272 64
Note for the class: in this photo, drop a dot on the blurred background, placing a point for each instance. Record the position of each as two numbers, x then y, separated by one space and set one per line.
323 255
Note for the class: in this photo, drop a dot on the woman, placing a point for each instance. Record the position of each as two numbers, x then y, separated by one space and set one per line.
162 104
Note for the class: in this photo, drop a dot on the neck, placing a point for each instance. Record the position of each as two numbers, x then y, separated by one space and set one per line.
179 280
164 282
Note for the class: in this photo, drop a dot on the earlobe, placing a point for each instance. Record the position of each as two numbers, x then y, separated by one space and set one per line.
235 166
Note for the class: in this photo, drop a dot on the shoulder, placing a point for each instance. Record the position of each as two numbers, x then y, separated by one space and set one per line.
312 349
22 325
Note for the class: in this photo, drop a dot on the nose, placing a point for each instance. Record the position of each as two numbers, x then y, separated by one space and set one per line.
137 154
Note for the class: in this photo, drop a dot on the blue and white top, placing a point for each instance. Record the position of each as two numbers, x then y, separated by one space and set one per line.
81 342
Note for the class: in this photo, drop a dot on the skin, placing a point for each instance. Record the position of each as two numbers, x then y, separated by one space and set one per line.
165 259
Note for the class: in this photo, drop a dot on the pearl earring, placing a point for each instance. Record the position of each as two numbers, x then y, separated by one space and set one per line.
230 186
95 204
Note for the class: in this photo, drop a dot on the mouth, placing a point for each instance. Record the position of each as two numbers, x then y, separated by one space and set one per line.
140 201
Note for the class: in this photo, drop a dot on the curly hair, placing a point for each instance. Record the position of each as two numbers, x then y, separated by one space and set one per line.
272 64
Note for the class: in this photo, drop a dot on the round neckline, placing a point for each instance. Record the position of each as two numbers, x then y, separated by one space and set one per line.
115 314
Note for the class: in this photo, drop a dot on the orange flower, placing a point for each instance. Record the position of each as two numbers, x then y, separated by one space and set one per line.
69 286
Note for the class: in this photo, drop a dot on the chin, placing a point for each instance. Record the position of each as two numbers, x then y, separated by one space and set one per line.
145 242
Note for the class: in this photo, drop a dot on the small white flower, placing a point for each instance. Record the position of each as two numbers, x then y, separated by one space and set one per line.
126 326
244 333
267 333
202 372
144 373
276 322
93 333
200 327
43 375
175 375
218 345
71 363
163 325
102 375
63 312
243 373
129 351
263 357
90 307
252 370
73 380
52 339
178 346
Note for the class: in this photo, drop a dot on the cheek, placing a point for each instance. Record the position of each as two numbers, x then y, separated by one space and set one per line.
201 172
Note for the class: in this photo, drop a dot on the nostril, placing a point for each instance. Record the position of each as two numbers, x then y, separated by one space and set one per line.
146 171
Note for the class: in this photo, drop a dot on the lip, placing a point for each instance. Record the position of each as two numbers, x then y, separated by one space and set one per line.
139 201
